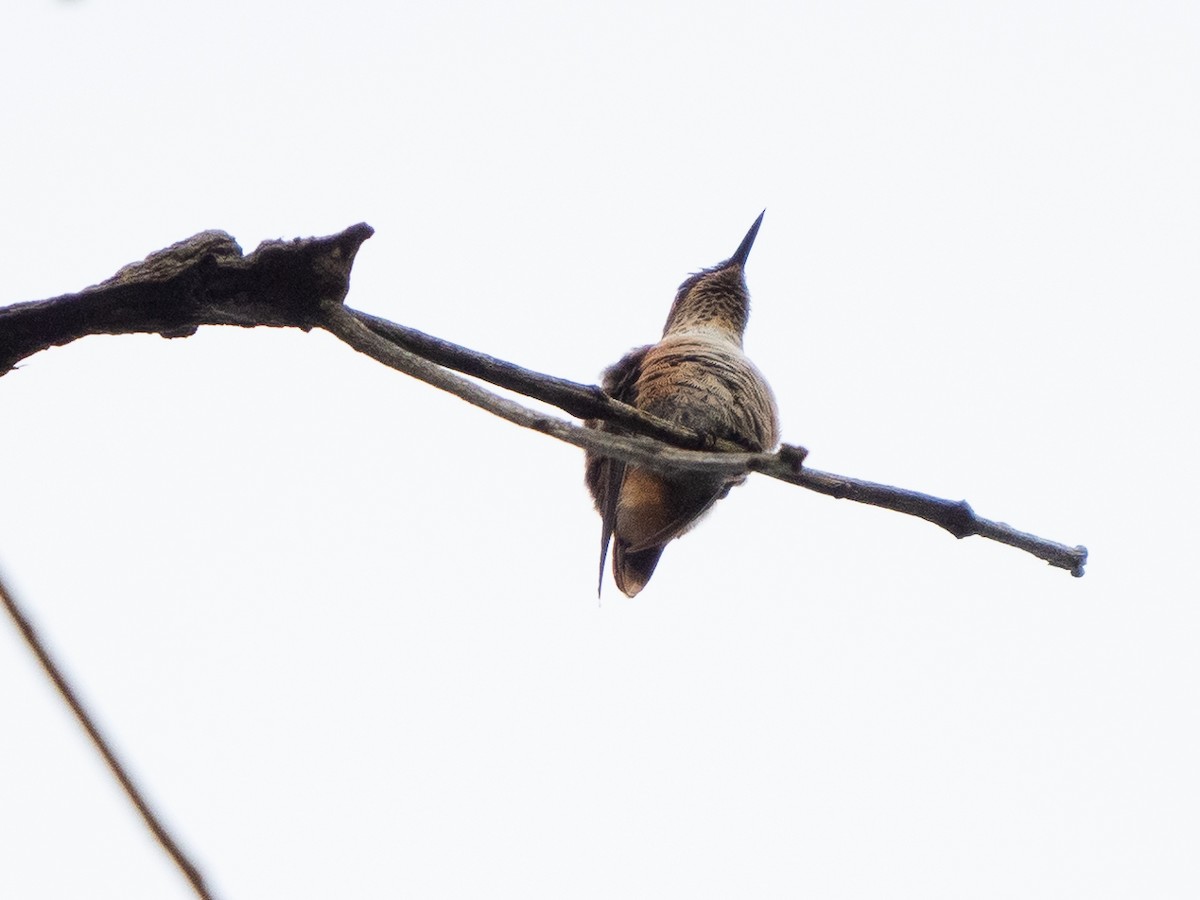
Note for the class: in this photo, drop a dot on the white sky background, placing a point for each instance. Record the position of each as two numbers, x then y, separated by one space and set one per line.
344 627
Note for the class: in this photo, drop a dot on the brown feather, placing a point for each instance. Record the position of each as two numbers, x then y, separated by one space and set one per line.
696 376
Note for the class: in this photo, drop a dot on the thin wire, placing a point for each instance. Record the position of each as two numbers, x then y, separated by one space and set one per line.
157 828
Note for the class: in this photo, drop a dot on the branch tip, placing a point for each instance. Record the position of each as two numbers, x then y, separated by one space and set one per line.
1082 556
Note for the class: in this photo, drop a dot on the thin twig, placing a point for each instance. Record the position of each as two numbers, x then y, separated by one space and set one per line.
366 334
122 775
346 325
584 401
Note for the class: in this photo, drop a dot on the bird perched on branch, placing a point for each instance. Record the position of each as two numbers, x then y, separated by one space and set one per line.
695 376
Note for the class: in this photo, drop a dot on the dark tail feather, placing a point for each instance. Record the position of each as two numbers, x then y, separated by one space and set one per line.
632 569
611 474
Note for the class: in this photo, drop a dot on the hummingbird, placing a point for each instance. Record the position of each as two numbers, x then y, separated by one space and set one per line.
696 376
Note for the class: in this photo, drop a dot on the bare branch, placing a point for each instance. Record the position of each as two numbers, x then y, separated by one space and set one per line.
205 280
135 795
956 517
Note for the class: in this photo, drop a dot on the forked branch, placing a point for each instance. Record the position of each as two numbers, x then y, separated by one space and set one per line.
206 280
409 351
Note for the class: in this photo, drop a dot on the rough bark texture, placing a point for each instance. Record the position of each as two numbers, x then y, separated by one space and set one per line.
204 280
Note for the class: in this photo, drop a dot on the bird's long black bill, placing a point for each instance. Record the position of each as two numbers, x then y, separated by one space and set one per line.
743 249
